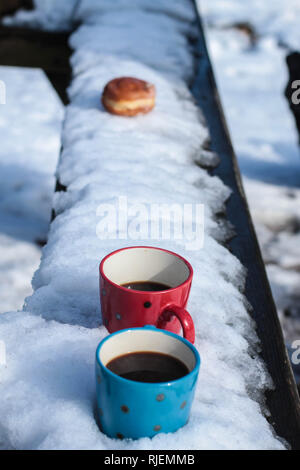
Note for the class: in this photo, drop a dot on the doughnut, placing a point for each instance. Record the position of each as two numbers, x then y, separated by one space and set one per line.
127 96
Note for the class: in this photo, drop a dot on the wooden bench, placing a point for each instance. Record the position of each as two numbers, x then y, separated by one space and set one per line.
50 51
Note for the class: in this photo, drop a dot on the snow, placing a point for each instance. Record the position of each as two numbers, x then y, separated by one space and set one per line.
275 19
31 116
47 387
251 81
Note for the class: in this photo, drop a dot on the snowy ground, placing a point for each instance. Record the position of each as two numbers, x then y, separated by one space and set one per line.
31 116
251 78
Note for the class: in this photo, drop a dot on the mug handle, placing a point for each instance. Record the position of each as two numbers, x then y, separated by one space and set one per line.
183 316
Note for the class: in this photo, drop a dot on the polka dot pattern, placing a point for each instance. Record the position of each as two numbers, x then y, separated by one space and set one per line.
160 397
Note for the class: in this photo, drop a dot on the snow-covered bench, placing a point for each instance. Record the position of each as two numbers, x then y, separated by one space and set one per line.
159 158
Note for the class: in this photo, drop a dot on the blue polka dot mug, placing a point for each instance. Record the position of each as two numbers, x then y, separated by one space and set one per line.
133 409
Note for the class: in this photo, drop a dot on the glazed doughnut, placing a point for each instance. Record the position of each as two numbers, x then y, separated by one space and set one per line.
127 96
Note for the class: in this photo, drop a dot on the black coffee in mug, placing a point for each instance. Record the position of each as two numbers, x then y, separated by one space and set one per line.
151 286
145 366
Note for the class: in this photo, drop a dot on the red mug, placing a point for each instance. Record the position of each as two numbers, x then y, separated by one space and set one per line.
125 308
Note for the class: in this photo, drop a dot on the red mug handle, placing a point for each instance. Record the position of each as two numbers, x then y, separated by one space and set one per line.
183 316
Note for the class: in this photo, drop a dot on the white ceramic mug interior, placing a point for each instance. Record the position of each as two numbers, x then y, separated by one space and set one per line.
146 264
147 339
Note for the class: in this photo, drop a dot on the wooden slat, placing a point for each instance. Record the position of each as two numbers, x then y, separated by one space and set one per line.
283 402
22 47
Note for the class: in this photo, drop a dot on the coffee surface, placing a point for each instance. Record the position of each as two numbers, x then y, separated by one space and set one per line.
146 286
145 366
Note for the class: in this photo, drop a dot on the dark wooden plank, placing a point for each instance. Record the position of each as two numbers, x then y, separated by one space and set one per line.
283 402
293 64
34 48
49 51
8 7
